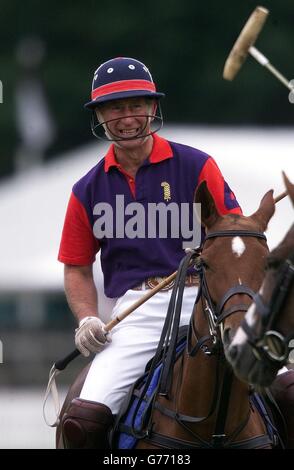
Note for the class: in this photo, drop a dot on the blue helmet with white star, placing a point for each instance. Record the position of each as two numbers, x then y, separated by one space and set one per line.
122 77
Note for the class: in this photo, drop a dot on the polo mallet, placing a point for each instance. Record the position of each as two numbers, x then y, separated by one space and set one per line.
244 45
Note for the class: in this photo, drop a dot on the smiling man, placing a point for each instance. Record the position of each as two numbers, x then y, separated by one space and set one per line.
128 122
146 172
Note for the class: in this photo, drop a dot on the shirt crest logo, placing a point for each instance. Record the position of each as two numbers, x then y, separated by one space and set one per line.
166 191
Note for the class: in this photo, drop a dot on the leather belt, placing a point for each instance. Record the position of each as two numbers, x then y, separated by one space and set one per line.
151 282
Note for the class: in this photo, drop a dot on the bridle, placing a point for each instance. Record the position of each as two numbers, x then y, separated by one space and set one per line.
269 344
216 314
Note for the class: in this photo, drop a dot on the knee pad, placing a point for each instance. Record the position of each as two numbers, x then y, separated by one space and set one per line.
86 425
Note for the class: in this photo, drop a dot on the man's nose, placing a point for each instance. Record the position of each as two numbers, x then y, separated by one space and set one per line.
128 115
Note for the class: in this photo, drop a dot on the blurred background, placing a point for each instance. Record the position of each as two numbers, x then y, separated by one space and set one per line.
48 54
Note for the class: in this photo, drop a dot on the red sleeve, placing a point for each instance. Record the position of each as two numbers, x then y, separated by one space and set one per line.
223 196
78 245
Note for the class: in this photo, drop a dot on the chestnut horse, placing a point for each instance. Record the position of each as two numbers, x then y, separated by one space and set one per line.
261 345
205 405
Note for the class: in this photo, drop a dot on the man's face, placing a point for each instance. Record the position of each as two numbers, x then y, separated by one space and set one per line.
127 118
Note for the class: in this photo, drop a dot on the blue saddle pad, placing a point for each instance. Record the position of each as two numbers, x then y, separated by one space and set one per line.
134 418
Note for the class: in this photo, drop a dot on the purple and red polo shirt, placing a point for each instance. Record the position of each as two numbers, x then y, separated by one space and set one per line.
127 262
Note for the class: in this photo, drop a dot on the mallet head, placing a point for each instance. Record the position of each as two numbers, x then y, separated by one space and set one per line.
245 40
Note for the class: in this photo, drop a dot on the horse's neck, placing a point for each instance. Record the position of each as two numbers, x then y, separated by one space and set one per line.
202 377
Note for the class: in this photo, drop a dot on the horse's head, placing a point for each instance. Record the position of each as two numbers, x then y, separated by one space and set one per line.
260 347
232 260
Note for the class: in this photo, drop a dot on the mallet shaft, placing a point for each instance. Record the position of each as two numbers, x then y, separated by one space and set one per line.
262 60
139 302
281 196
279 76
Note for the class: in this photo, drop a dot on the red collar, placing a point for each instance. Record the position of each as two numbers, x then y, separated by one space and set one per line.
161 150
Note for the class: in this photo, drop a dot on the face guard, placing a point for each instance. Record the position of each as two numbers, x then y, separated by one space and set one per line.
153 123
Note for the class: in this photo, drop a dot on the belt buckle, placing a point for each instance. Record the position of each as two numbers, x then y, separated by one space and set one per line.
154 281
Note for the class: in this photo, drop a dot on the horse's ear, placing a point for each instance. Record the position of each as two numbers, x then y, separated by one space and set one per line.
289 186
265 211
209 213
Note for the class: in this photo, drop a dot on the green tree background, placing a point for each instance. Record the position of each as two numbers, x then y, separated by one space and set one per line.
184 43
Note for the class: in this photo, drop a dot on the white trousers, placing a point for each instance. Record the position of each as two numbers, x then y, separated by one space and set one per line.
134 342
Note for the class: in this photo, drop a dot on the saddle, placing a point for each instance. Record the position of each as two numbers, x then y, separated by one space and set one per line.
133 422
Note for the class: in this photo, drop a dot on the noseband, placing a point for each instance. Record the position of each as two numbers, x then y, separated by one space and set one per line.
270 344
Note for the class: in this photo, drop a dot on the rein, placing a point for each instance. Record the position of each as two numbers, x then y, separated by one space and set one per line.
166 349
